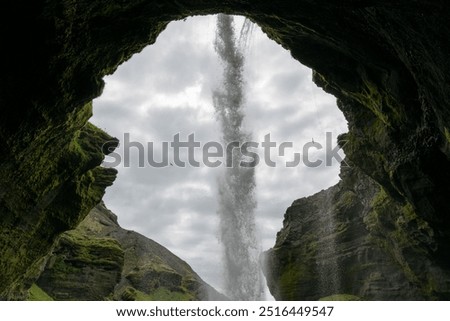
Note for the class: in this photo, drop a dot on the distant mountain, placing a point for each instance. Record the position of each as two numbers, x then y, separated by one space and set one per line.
99 260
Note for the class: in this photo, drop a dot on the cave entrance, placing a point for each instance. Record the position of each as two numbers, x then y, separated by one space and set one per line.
165 90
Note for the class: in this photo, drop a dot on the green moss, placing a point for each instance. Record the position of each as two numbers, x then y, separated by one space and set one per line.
346 200
35 293
54 177
447 134
160 294
94 250
61 268
84 251
380 200
341 297
377 130
382 105
158 266
163 294
397 229
410 217
372 219
294 274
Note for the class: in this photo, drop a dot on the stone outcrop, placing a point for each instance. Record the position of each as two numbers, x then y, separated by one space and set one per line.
101 261
353 239
386 62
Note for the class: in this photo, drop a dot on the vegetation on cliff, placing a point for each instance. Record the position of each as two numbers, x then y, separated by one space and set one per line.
386 62
381 247
101 261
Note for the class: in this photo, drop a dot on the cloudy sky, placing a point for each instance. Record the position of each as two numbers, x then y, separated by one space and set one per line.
166 89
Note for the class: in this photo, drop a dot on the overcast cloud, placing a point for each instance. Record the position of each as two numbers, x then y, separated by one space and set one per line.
165 90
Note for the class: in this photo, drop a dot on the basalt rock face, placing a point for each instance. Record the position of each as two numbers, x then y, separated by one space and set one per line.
354 239
386 62
101 261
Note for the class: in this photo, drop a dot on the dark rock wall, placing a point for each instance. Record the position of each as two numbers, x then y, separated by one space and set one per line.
386 62
47 188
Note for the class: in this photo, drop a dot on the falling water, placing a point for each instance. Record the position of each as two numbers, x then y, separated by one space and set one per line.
246 33
236 188
327 263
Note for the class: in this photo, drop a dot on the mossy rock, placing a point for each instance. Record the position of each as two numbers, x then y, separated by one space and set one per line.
101 261
341 297
35 293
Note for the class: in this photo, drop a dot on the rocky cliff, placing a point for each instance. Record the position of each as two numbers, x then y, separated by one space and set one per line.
353 239
101 261
386 62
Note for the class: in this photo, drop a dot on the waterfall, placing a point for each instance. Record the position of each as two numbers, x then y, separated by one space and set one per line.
243 279
246 33
327 261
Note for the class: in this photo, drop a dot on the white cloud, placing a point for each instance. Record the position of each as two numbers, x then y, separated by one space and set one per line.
166 89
